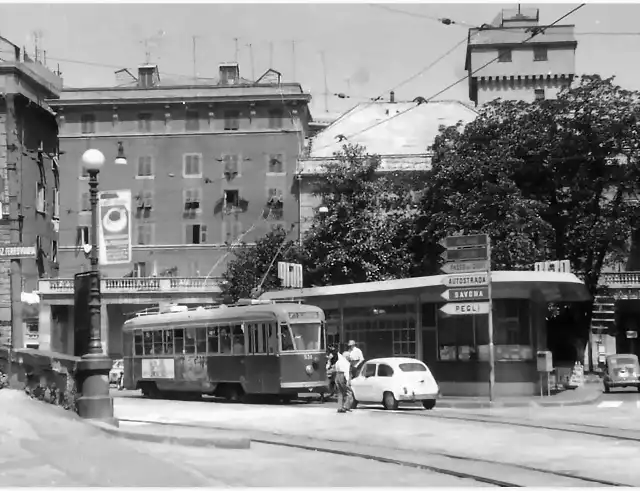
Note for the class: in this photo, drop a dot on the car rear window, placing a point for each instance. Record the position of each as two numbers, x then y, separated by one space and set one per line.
412 367
623 361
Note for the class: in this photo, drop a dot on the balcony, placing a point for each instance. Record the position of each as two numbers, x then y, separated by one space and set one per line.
623 280
62 286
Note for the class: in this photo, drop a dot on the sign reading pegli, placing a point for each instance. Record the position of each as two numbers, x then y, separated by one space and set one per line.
114 227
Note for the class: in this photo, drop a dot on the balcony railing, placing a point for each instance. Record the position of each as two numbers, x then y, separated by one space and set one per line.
626 279
133 285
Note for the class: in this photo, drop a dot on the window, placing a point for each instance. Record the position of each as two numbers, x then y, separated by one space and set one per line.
231 166
82 234
385 371
144 233
459 337
539 53
201 340
539 94
158 345
54 251
511 322
41 203
237 339
85 202
258 338
168 341
145 167
275 119
144 203
196 234
275 164
192 165
275 202
56 203
231 199
87 124
231 230
306 337
404 339
137 343
213 340
190 341
286 338
147 342
144 122
178 341
192 198
231 120
140 270
412 367
192 121
369 370
504 55
225 340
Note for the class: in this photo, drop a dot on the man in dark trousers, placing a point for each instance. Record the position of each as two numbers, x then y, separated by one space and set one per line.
342 369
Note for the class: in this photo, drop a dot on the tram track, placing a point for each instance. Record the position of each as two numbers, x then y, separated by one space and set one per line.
489 472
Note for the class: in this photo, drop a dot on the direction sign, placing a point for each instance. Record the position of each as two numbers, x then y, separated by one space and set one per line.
469 279
632 334
465 267
466 294
465 308
468 254
17 251
465 241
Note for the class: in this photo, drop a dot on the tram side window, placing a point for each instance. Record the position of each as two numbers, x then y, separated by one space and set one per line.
213 340
201 340
252 331
190 341
168 341
286 338
272 333
158 349
178 340
238 339
261 338
137 343
225 340
147 342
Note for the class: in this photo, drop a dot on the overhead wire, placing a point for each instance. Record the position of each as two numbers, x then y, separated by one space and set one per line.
450 86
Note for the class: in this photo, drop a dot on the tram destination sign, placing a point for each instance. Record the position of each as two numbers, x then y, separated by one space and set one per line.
466 254
466 280
465 308
466 294
465 267
455 241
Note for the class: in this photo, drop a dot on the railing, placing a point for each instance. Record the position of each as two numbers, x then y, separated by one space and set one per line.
626 279
133 285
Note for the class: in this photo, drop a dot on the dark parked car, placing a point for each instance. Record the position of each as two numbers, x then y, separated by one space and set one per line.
621 371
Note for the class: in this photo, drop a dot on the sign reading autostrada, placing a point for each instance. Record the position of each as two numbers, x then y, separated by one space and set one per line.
469 291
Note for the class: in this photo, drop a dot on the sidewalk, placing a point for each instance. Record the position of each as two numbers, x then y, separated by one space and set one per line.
43 445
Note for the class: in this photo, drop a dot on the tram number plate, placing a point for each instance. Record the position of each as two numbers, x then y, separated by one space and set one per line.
308 357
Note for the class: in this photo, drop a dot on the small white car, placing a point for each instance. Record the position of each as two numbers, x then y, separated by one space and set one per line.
115 374
393 380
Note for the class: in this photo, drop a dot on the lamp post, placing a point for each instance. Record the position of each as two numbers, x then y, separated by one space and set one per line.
93 369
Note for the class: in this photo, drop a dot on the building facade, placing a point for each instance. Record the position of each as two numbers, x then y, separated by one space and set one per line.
207 164
29 182
525 67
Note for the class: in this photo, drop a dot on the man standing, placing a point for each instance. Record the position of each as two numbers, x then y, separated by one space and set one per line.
342 376
356 358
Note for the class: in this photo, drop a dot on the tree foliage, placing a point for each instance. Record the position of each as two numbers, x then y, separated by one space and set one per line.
250 264
365 234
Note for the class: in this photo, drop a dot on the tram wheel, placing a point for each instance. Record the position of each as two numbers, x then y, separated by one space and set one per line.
235 394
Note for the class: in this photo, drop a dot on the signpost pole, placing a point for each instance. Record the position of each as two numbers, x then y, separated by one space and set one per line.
492 360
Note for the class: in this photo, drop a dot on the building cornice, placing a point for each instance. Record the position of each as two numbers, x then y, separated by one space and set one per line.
183 134
170 247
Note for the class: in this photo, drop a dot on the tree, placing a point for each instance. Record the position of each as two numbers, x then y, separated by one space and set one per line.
250 265
365 234
554 179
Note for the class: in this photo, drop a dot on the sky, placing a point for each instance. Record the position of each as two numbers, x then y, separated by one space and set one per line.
367 49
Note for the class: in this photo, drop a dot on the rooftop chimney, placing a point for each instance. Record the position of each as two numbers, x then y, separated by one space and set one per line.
229 73
148 76
392 96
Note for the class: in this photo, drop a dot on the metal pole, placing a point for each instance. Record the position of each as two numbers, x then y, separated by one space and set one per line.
492 360
95 337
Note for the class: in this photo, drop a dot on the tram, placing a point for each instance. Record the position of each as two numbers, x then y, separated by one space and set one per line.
255 347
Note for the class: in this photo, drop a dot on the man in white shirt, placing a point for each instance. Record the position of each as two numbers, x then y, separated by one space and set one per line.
342 376
356 358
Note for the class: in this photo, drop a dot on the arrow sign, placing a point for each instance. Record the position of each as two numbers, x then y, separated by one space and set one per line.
468 254
466 294
466 308
464 241
469 279
465 267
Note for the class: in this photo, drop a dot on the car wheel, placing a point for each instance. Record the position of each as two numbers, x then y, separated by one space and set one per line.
429 403
354 403
607 389
389 401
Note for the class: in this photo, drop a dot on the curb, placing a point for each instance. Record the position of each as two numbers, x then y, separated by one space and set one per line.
240 443
507 404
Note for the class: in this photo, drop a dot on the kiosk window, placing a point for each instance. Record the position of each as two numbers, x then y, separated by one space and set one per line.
213 340
190 341
201 340
137 343
178 339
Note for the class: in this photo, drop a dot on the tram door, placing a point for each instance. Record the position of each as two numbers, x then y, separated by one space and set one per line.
262 367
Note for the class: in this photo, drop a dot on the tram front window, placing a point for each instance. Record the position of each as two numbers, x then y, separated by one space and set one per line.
306 337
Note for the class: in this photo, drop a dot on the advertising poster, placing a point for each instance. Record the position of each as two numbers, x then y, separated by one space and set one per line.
114 227
158 368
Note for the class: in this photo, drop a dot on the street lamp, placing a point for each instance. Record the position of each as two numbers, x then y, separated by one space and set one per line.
94 366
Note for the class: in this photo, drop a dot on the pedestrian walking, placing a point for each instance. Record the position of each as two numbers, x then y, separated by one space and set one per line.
342 377
355 357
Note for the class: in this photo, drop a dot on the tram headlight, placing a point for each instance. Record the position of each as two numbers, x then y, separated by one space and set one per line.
309 369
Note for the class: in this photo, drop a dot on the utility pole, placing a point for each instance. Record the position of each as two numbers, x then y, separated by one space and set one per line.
237 53
326 85
293 58
195 72
253 75
271 54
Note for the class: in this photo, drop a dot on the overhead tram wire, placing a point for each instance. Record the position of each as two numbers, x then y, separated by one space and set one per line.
535 33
